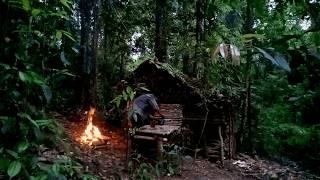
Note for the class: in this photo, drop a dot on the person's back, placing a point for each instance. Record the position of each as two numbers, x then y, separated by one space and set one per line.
143 107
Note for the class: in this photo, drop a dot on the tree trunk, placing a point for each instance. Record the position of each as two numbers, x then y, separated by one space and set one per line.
95 42
185 34
121 69
313 8
240 133
200 37
247 118
161 42
198 32
87 55
185 63
248 105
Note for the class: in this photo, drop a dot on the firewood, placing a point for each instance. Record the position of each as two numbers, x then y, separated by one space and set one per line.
97 143
100 146
105 137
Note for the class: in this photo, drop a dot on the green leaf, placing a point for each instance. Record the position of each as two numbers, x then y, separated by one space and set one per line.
14 168
23 77
65 3
171 171
12 153
47 93
36 78
34 123
26 5
43 166
314 53
88 177
275 59
56 177
33 162
129 90
118 102
132 95
31 77
35 12
75 50
4 118
60 15
27 116
55 169
58 35
158 170
42 122
64 59
38 134
252 36
5 66
67 34
64 72
282 62
22 146
124 95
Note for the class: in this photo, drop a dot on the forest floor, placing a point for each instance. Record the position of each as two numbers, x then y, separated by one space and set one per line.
109 161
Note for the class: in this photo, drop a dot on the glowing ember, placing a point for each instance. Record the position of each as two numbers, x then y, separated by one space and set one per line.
92 133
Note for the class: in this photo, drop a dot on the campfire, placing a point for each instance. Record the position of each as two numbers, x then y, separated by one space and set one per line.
92 135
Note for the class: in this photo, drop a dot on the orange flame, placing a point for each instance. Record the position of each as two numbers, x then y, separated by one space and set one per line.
92 133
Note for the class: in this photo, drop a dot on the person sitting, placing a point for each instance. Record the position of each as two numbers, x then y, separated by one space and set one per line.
144 108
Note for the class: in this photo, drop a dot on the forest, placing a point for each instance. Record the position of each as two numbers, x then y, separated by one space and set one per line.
241 74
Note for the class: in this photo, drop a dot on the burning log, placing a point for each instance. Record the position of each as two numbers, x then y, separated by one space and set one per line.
101 146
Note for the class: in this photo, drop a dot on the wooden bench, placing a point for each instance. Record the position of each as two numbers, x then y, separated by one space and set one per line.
160 133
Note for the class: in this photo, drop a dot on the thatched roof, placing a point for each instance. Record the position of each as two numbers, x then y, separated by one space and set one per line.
167 83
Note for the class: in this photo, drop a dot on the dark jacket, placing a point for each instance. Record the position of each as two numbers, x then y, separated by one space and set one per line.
143 106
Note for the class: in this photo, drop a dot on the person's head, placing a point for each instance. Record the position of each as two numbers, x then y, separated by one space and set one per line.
142 90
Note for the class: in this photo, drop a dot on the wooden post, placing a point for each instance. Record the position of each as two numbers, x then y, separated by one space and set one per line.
129 149
205 146
221 146
159 147
230 134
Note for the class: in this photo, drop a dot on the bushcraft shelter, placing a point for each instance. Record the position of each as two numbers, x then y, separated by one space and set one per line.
172 87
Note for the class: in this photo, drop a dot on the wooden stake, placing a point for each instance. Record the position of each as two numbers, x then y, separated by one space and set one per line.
221 146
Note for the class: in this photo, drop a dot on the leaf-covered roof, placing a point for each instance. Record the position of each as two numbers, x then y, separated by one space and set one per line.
163 80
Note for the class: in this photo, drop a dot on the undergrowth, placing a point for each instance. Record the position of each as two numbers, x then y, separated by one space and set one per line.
144 168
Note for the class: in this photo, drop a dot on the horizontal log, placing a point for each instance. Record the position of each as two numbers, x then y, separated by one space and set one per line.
213 156
202 119
213 148
149 138
169 118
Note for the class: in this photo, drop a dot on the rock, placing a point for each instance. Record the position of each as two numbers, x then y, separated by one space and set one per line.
188 159
187 162
274 176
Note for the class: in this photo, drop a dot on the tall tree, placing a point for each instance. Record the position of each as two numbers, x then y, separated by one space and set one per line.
89 15
200 16
161 39
246 117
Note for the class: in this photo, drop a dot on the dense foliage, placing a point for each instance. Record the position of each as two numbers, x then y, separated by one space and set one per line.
65 54
35 41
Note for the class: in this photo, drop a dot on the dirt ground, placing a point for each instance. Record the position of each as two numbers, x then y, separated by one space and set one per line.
103 160
109 160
